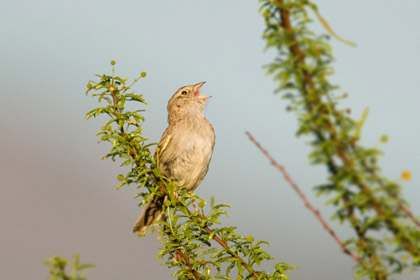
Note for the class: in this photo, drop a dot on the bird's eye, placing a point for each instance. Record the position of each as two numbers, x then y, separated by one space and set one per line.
184 92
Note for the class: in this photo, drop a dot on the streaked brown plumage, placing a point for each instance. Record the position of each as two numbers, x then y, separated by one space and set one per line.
186 148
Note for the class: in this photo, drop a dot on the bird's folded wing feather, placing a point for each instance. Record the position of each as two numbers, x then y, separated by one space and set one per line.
166 139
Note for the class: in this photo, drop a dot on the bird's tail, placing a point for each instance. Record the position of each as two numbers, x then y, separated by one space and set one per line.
151 213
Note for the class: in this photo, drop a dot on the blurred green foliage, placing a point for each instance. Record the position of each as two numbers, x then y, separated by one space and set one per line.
386 237
57 269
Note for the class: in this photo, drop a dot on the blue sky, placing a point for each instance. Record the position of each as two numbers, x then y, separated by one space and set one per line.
58 197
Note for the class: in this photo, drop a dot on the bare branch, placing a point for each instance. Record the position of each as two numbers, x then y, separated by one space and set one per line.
302 196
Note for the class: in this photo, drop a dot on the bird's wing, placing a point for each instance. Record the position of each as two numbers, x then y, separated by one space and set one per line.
166 139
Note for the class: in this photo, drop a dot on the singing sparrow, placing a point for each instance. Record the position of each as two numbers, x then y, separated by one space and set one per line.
186 148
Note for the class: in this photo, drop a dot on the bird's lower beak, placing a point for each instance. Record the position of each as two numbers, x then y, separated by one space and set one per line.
197 91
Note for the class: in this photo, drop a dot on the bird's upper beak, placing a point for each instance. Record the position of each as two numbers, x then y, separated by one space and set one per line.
196 91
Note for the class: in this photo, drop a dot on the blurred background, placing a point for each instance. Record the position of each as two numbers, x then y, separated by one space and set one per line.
58 198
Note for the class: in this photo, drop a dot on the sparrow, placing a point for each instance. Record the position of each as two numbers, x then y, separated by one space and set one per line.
185 150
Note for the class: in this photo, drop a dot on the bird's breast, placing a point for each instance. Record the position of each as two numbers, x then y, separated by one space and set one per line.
187 156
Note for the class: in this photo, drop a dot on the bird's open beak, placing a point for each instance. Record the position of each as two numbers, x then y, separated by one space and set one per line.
197 91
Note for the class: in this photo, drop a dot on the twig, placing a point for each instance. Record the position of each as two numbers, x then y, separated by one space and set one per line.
233 254
224 244
186 258
409 214
302 196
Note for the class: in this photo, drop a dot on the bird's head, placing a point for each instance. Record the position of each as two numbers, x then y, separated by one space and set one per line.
187 100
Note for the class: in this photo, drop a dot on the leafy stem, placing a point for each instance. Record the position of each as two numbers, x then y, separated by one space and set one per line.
186 235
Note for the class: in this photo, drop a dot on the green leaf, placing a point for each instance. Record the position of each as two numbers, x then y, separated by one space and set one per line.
360 123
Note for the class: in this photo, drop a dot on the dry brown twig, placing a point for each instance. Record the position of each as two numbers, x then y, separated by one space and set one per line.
409 214
302 196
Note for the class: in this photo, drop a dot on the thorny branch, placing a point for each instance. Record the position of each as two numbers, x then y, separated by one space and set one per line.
180 255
